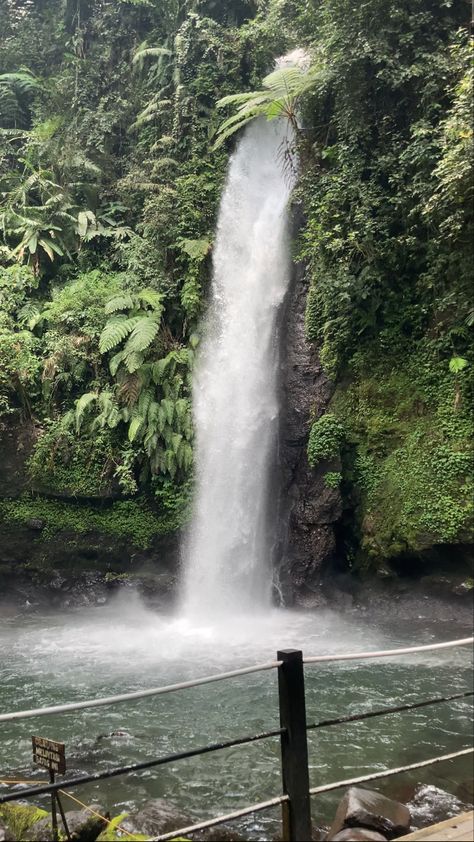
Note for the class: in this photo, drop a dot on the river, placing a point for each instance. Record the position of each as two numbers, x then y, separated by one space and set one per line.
52 658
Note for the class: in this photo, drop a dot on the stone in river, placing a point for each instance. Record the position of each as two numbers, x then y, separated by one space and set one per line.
362 808
358 834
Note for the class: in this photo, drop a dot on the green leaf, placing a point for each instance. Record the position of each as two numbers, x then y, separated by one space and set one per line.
195 249
151 297
81 405
134 427
168 407
457 364
143 333
115 331
124 301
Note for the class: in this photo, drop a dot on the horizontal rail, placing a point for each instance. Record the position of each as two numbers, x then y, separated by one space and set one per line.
136 694
208 679
358 717
325 788
386 773
45 788
253 808
387 653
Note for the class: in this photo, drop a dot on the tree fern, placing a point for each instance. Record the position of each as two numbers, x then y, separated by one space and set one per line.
280 96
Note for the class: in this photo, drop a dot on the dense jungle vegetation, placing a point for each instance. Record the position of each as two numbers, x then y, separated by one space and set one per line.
110 178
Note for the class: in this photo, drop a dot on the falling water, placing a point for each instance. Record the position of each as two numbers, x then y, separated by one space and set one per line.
235 387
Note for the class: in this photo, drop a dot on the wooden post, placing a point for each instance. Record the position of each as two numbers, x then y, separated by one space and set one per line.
54 815
63 816
296 812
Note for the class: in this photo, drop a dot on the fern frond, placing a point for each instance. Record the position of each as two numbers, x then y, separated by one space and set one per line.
151 297
142 334
135 424
115 331
81 405
133 361
124 301
168 407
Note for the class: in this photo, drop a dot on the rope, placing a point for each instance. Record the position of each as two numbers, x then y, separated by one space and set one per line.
73 798
359 656
208 679
254 808
138 694
357 717
465 641
264 805
388 772
95 813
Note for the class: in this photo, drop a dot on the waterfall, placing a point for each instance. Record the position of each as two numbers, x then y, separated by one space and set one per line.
227 552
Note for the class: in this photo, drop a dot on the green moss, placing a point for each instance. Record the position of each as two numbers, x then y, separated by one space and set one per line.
332 479
410 456
65 462
325 438
20 817
134 520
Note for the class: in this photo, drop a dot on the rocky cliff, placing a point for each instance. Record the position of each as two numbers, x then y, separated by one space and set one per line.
309 508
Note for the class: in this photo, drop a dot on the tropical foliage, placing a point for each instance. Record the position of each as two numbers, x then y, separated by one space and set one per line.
116 121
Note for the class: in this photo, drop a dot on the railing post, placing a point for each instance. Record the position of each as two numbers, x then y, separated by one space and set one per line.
296 812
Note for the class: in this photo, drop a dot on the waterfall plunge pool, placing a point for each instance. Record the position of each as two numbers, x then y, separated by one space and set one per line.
52 658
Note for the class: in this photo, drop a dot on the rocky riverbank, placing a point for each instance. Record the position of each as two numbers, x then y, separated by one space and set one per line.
362 815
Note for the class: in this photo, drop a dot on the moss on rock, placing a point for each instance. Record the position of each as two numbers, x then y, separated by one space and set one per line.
134 520
20 817
408 464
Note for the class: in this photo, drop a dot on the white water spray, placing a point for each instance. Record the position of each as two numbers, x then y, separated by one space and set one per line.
235 387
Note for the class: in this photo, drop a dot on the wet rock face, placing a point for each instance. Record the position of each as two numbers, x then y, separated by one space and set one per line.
309 509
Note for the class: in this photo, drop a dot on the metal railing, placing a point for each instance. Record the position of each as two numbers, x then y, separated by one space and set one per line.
295 798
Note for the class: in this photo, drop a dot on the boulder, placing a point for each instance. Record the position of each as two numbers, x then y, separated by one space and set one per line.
362 808
358 834
160 816
83 826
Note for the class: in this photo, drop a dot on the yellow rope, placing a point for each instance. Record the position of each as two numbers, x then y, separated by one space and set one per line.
73 798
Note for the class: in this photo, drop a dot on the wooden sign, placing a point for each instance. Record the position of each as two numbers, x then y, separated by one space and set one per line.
49 754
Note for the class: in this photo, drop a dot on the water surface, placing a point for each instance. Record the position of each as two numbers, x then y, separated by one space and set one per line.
49 659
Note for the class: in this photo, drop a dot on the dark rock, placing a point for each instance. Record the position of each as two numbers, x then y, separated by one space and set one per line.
156 817
430 805
83 826
160 816
308 508
17 440
40 831
358 834
362 808
35 523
